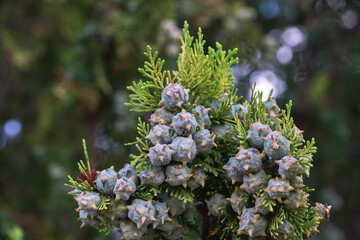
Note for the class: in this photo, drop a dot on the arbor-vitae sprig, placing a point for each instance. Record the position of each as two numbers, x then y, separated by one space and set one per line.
204 159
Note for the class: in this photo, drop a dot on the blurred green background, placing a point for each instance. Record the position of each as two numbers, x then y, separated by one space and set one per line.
65 65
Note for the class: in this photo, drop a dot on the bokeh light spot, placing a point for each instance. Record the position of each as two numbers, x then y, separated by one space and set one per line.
12 128
265 81
293 37
269 9
336 4
349 19
284 55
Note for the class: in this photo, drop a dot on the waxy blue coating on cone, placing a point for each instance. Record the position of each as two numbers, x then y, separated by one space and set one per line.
214 204
278 188
160 155
253 224
141 212
129 172
204 141
160 134
198 179
255 134
289 167
123 188
153 176
286 230
177 174
259 206
184 124
185 149
89 219
270 105
240 110
253 182
105 181
88 201
161 213
223 131
162 116
174 95
236 201
250 160
276 146
202 116
116 211
232 172
130 230
296 199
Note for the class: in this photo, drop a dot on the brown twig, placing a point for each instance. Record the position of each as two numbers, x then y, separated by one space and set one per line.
205 230
89 176
273 167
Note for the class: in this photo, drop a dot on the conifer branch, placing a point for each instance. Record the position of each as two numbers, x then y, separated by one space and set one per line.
245 156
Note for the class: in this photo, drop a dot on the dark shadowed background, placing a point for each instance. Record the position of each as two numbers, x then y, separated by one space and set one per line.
65 65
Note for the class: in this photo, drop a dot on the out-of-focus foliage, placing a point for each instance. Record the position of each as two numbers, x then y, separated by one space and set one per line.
64 66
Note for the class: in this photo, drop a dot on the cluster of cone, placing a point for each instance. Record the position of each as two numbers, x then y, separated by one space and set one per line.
176 138
285 186
129 215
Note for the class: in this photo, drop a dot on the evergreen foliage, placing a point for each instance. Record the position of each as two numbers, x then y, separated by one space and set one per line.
143 146
205 75
207 80
66 65
86 174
